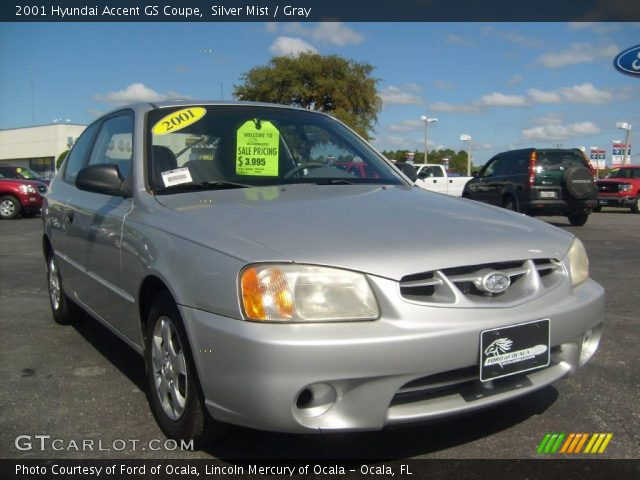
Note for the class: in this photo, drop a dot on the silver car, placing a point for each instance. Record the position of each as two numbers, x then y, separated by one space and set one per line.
277 272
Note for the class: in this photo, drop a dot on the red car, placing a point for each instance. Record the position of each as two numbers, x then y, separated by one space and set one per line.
20 196
621 188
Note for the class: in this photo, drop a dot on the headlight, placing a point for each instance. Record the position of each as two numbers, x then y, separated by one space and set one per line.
578 262
625 187
27 189
302 293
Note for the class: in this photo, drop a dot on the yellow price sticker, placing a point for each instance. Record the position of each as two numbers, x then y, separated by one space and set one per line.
258 144
178 120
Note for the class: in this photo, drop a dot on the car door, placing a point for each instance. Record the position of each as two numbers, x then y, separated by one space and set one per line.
483 188
65 233
100 218
432 178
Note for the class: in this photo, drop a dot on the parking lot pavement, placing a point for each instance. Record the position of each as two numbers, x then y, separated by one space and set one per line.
81 383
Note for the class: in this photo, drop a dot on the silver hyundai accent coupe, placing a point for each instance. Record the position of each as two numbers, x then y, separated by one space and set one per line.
251 253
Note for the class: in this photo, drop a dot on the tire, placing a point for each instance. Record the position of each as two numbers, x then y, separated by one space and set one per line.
596 209
635 208
9 207
64 311
509 203
578 182
174 392
578 219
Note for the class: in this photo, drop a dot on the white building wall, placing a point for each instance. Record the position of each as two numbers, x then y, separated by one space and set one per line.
36 142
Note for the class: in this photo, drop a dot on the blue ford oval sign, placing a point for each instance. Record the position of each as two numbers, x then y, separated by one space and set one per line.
628 62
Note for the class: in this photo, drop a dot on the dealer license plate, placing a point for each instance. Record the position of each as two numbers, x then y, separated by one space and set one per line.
515 349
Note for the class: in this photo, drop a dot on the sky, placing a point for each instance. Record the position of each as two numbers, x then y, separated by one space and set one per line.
506 85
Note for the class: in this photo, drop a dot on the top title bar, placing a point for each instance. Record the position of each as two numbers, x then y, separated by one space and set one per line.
317 11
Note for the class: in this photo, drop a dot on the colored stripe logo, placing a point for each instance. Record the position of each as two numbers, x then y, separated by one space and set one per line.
574 443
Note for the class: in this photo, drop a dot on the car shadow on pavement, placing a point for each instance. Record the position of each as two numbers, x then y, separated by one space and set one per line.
118 353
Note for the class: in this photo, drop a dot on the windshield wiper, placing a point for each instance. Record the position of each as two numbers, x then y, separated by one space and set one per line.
334 181
214 185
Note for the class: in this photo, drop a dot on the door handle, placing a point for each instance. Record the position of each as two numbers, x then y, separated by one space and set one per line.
70 214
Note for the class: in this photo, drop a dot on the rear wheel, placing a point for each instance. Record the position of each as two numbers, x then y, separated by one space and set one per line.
9 207
635 208
578 219
175 396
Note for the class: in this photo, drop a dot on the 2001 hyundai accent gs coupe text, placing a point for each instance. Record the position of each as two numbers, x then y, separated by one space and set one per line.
238 249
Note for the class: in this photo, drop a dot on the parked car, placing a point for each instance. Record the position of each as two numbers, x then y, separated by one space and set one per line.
21 173
620 188
262 287
20 197
435 177
538 182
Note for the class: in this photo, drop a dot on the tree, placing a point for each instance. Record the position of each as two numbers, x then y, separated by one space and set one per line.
61 158
328 83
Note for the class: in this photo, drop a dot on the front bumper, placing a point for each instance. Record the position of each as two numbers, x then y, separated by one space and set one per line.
615 201
256 374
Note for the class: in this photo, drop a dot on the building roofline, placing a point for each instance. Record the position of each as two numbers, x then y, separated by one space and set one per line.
43 125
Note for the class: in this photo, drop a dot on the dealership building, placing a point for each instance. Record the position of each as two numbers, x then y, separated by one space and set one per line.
37 147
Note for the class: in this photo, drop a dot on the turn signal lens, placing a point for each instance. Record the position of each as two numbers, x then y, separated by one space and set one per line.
266 295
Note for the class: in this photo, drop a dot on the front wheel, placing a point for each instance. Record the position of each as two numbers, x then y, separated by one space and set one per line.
635 208
175 396
9 207
509 203
578 219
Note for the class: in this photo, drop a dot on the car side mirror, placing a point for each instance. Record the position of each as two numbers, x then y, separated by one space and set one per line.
103 178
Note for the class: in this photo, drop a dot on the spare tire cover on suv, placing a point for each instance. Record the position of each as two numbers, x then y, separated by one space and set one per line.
578 182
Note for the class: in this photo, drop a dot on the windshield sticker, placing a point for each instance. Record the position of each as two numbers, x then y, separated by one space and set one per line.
176 177
178 120
257 154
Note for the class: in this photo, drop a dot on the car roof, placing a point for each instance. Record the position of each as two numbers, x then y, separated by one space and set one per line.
143 107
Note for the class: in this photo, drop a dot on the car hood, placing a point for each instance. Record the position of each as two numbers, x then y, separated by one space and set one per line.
389 231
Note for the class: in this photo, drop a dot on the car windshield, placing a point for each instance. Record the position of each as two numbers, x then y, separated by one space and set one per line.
231 146
624 173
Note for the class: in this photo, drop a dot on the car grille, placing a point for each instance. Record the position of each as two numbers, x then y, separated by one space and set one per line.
463 382
608 187
462 286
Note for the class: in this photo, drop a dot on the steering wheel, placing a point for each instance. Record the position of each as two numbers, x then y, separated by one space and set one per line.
301 167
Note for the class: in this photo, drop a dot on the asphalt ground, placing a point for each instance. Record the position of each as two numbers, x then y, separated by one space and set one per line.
82 383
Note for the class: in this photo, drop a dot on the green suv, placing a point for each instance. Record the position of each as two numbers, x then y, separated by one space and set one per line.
538 182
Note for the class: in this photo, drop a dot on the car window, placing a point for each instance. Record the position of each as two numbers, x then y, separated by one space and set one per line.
76 158
558 160
257 146
114 143
489 169
430 172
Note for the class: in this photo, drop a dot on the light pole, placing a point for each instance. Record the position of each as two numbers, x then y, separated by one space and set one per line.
627 138
427 121
467 138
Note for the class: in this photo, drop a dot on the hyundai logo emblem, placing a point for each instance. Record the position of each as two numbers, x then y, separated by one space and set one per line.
495 282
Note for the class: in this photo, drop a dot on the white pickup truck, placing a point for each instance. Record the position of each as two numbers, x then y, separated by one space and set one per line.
434 177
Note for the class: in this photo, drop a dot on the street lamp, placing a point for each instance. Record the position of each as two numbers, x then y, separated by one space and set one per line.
627 138
467 138
427 121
